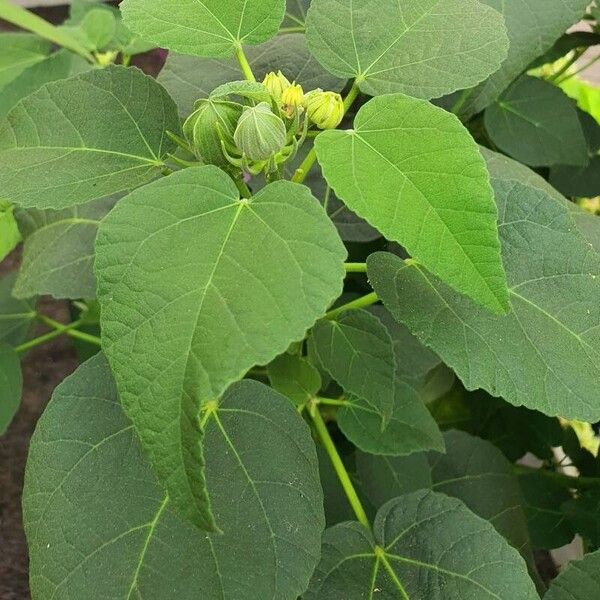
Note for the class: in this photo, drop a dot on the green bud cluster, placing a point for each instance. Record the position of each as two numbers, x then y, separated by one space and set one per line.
256 127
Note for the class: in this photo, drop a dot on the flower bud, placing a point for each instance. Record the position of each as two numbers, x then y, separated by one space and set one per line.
325 109
291 99
212 121
276 84
260 133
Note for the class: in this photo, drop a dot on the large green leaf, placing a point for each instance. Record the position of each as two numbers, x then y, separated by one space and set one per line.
424 48
533 26
414 172
544 354
20 51
204 27
11 384
476 472
188 78
59 65
536 123
425 546
99 526
206 285
16 316
84 138
580 580
58 253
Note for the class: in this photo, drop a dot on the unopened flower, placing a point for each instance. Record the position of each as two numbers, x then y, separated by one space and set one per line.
291 99
325 109
260 133
276 84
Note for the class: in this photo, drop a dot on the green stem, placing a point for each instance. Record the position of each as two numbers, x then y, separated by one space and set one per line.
356 267
47 337
560 478
244 64
331 401
298 29
243 188
307 164
338 465
362 302
74 333
460 102
574 58
583 67
27 20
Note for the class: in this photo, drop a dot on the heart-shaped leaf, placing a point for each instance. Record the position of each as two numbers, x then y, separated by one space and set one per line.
423 543
424 48
206 285
414 172
99 526
204 27
84 138
543 355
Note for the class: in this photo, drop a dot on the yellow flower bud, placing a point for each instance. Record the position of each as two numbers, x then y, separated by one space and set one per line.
325 109
291 99
276 84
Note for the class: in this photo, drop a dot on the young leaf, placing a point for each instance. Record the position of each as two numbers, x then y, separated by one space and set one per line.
523 17
20 51
541 355
421 48
414 172
9 230
204 27
536 123
60 65
98 525
188 78
16 316
358 352
411 428
207 286
579 580
58 253
423 543
84 138
294 377
11 384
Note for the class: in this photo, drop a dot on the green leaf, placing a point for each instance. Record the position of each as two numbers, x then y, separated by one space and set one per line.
98 27
98 525
422 48
424 545
578 581
411 428
245 89
204 27
20 51
16 316
477 473
295 15
536 123
11 384
60 65
188 78
58 254
582 513
357 351
382 414
533 26
80 157
442 209
9 230
294 377
239 281
543 355
548 525
383 478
